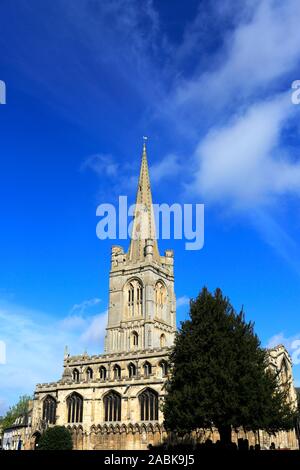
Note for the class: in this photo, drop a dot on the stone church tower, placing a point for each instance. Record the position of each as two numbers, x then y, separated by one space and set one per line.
113 400
142 312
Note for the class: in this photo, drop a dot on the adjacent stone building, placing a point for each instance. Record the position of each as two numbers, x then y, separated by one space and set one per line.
113 400
18 435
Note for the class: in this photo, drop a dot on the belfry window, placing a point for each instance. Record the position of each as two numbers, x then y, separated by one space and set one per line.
49 409
134 298
164 368
149 405
131 300
132 370
112 406
147 369
89 373
103 373
117 372
135 339
75 408
76 375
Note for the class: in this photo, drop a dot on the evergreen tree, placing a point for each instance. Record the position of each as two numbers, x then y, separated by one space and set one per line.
56 438
220 376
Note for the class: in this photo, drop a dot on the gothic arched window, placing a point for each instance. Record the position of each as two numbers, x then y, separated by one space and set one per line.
134 339
103 373
112 406
131 300
147 369
117 371
76 375
89 373
75 408
134 298
131 370
149 405
49 409
164 368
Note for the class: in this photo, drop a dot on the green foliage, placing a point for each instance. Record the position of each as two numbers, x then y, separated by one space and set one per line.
219 375
15 411
56 438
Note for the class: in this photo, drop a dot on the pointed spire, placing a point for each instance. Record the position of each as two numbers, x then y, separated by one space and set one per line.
143 222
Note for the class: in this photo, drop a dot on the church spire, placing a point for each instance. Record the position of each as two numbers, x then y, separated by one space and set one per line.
143 222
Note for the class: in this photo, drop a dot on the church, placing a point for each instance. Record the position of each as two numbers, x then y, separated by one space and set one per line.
114 400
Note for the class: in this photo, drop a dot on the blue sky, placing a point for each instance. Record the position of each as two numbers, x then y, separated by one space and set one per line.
210 84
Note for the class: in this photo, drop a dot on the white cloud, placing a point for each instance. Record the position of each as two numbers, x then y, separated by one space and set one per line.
167 167
292 344
93 334
182 301
101 164
233 107
255 54
237 117
72 322
35 345
243 163
277 339
78 317
83 306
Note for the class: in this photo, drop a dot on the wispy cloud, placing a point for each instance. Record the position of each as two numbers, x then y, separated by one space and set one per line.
102 165
241 157
182 301
84 305
93 334
276 236
79 314
292 344
240 119
166 168
218 88
123 178
35 344
228 104
122 57
248 63
243 163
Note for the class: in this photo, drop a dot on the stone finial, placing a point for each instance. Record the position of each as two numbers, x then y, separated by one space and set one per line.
66 352
169 254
